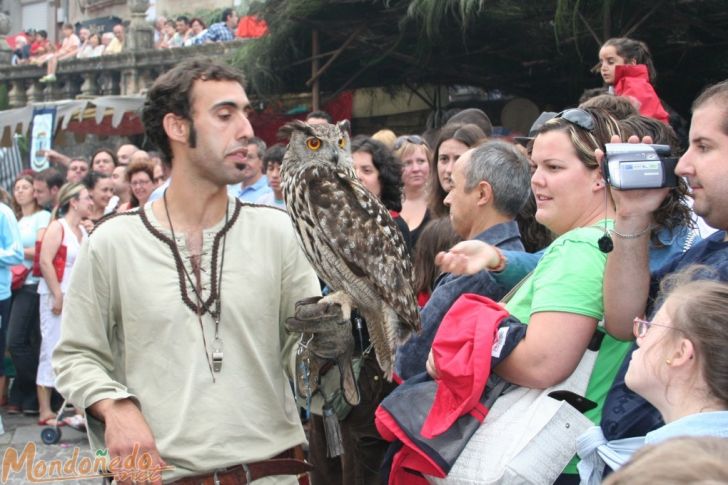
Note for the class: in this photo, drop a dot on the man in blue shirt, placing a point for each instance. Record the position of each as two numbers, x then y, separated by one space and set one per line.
629 289
223 31
254 184
490 185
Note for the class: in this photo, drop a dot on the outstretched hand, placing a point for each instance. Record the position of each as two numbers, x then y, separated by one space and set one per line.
467 258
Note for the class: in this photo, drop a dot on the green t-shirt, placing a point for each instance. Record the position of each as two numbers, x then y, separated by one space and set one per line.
569 279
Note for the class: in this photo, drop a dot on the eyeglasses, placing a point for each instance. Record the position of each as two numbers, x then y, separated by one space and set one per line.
139 183
578 117
641 327
414 139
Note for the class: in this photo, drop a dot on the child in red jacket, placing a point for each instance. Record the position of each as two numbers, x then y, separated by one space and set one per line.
626 67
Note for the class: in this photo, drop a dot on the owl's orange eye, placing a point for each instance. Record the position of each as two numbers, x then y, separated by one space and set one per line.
342 143
313 143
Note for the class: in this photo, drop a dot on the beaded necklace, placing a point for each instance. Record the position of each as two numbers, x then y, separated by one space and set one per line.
214 358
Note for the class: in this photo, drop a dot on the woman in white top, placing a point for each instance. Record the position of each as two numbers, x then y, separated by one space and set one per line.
94 48
74 204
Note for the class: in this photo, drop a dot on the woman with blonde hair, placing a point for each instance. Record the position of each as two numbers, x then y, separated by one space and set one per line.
65 230
385 136
416 158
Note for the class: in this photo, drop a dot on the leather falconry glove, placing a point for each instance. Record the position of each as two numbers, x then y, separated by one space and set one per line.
326 338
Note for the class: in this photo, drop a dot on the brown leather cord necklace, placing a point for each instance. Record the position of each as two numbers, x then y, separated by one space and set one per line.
214 358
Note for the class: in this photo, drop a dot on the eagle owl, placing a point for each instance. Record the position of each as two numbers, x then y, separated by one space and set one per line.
349 236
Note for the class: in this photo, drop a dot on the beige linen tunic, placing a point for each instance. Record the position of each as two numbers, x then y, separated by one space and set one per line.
126 332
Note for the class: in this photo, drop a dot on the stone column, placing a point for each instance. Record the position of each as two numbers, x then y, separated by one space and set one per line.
16 96
140 35
109 82
52 92
88 88
70 86
6 55
34 94
136 81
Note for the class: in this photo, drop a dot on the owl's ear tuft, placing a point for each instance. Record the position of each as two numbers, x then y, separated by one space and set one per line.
285 131
344 125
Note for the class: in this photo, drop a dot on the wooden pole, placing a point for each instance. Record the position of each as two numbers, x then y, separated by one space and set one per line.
337 53
315 94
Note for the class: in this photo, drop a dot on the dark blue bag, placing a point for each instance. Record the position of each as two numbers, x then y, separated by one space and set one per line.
625 414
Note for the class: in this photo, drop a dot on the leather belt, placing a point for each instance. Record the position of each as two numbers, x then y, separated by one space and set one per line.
287 463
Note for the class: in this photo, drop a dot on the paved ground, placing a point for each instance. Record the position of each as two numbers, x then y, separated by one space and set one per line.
21 430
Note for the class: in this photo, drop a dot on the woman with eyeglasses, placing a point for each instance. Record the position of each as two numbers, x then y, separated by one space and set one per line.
140 177
416 158
561 300
452 141
680 367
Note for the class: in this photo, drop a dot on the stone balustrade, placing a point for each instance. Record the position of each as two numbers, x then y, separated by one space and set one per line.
125 74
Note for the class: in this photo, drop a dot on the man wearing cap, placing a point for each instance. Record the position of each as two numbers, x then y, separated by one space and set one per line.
533 131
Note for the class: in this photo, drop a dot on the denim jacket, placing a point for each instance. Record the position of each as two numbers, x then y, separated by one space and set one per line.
412 356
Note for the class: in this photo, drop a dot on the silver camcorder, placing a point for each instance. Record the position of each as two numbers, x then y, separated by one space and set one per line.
639 166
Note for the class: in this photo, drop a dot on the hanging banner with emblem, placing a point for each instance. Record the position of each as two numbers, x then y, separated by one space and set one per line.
44 120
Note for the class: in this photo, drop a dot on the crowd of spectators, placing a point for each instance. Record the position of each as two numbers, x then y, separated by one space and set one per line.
467 187
34 47
60 206
183 31
532 223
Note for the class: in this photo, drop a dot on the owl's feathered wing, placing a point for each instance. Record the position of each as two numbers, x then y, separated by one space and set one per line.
355 246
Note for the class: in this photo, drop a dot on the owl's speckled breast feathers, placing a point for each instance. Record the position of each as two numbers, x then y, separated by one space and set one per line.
348 235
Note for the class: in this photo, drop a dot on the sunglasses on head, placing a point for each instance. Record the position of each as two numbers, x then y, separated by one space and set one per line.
578 117
414 139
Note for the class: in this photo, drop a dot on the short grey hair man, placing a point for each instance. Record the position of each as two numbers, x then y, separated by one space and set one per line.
490 185
258 143
506 170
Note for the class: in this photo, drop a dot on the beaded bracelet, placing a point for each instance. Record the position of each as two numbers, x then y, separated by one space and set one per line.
632 236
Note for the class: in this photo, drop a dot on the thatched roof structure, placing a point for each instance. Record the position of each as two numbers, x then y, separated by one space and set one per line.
539 49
